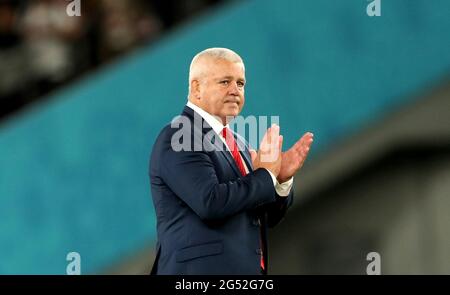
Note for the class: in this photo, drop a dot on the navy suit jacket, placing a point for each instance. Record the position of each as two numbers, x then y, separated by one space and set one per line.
210 218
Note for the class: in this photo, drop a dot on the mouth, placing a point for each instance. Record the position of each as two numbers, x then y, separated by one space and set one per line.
232 102
232 105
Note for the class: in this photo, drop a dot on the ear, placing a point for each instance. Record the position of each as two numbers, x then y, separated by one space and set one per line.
195 88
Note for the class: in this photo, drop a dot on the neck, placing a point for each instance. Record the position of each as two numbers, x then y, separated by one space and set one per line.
223 121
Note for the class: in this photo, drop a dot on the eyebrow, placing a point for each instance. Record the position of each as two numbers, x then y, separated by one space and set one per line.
230 78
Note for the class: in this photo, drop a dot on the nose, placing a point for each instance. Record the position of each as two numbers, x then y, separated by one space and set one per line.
233 89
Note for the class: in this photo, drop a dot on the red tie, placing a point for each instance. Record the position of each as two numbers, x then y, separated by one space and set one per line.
232 145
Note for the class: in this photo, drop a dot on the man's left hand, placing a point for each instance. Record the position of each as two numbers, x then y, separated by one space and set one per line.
293 159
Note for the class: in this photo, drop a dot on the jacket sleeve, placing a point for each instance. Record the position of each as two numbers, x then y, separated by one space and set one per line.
277 210
192 177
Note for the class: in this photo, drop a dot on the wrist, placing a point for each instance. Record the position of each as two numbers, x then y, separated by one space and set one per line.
283 179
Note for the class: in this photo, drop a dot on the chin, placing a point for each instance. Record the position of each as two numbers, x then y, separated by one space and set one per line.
233 113
230 115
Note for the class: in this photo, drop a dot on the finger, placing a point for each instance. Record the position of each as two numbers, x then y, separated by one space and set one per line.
270 133
308 136
264 141
267 134
299 145
253 155
280 143
266 148
306 145
274 142
275 134
306 140
303 140
276 148
276 131
305 152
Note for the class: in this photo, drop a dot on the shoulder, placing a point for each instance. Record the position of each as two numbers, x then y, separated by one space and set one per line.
179 123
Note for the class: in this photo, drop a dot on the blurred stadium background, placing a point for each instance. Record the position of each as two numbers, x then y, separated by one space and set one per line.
83 98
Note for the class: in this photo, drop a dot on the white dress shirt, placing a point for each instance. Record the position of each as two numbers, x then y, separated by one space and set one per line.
282 189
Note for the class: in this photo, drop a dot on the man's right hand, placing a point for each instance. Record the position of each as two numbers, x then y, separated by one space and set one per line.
269 154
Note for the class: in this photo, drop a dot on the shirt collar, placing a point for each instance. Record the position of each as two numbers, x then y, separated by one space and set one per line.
213 121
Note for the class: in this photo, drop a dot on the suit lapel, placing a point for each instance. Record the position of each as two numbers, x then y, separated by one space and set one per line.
218 144
223 150
245 153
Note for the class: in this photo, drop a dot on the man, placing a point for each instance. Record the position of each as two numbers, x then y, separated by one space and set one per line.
214 200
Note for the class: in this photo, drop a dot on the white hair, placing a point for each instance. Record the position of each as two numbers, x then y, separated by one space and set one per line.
215 53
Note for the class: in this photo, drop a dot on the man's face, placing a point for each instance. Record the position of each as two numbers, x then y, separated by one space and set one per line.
221 88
